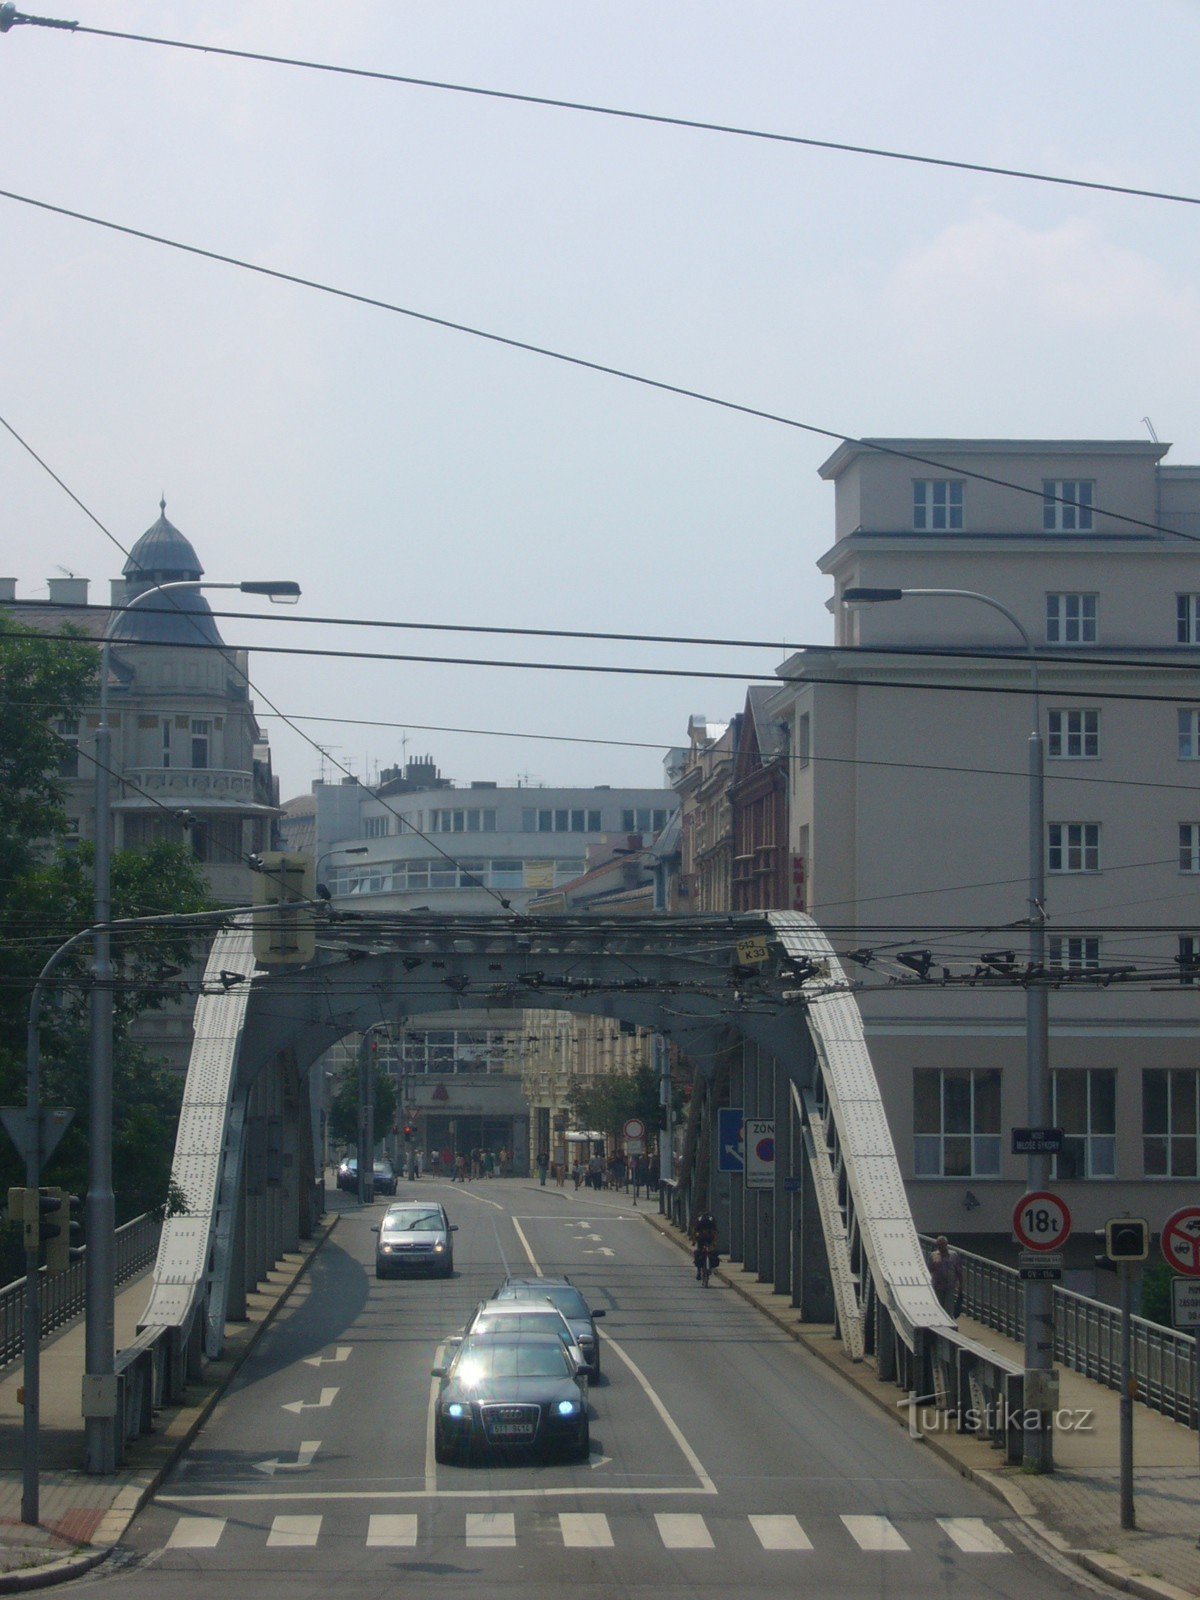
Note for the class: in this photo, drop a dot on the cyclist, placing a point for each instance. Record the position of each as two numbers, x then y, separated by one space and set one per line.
704 1237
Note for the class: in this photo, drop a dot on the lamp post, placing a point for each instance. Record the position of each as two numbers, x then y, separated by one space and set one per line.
1038 1446
338 850
99 1380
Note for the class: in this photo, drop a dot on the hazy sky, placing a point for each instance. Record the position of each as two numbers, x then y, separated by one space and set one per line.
405 472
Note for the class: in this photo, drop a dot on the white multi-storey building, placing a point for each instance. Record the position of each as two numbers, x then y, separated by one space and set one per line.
909 808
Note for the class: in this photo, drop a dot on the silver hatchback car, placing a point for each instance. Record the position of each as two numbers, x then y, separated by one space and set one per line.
415 1236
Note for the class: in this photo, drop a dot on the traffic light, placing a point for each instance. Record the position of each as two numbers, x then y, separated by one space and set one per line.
1124 1239
410 1132
23 1209
285 930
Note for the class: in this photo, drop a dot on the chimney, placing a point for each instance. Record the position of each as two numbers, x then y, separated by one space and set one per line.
117 592
8 588
68 591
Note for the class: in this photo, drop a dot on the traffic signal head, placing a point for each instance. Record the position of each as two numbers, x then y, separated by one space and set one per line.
1122 1239
410 1132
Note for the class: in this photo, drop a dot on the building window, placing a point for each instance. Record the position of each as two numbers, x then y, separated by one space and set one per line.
1071 619
1187 619
1188 957
1074 735
1067 505
1170 1118
1188 723
1074 847
166 741
376 827
1189 847
804 740
956 1123
1084 1106
462 819
559 820
67 729
937 505
1075 954
644 821
201 733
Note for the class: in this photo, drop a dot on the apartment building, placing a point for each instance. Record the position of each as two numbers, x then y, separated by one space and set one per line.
909 808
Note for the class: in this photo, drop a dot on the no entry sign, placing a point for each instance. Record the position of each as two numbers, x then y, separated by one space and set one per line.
1181 1241
1041 1221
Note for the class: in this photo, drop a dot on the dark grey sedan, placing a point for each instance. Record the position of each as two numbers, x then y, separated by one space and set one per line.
502 1392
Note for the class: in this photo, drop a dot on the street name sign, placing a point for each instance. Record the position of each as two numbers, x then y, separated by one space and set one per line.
1041 1221
1180 1241
731 1156
1185 1304
1037 1141
760 1152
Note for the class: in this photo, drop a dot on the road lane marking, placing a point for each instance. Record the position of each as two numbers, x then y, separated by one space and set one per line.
435 1385
585 1530
462 1189
693 1460
390 1531
780 1533
432 1493
196 1533
973 1536
533 1261
873 1533
328 1396
491 1530
683 1530
304 1459
289 1532
341 1353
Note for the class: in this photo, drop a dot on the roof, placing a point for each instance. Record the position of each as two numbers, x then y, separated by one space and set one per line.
850 449
182 617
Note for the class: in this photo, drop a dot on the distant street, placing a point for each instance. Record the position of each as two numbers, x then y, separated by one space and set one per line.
723 1457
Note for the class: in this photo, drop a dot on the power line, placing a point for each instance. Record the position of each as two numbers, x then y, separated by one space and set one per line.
659 385
657 118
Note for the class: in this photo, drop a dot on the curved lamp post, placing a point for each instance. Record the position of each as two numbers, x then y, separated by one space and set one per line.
99 1380
1038 1455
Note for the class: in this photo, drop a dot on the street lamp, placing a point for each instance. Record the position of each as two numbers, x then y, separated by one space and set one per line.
338 850
99 1381
1038 1453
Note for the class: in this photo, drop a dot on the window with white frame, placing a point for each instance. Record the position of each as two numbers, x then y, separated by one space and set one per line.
559 819
1189 733
956 1122
1084 1106
67 729
1075 952
1170 1122
201 734
644 821
1071 618
937 505
1188 957
463 819
166 741
1187 619
376 827
1073 847
1067 505
1189 847
1073 735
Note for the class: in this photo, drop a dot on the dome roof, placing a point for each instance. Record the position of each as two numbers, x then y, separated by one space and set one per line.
183 616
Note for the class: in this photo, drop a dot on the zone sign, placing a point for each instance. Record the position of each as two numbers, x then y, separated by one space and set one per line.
1041 1221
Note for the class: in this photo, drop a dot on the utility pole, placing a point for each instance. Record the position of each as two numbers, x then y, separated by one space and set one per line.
1125 1270
366 1119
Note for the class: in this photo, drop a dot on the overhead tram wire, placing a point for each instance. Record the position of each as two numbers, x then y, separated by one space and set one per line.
582 363
591 108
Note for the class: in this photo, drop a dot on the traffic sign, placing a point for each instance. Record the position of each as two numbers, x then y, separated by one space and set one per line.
1180 1241
634 1128
1185 1304
1041 1221
760 1152
752 952
1040 1266
1037 1141
635 1147
730 1148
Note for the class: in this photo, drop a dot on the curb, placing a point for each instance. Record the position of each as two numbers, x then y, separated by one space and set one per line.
1112 1570
133 1497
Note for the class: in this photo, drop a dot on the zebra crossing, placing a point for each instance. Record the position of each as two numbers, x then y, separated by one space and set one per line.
582 1530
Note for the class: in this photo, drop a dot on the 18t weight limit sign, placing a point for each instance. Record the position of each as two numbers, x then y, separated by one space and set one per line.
1041 1221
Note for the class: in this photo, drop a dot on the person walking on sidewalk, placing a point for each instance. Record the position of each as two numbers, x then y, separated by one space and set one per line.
945 1268
543 1167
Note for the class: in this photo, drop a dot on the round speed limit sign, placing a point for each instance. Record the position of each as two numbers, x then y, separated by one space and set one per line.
1041 1221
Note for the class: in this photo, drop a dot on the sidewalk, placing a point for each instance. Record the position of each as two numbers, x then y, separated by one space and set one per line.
83 1517
1075 1509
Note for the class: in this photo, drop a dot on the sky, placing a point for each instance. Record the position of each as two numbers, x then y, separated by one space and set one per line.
403 472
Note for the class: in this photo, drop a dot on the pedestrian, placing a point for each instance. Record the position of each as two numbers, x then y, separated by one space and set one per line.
489 1164
945 1268
448 1161
560 1173
543 1166
577 1172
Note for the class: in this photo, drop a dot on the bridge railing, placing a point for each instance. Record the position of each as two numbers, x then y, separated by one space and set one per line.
1087 1336
61 1294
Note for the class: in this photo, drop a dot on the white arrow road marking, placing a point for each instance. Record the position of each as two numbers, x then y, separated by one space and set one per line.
304 1458
594 1236
341 1353
603 1251
601 1461
328 1396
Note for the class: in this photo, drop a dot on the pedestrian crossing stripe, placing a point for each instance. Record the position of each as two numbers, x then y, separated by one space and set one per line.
578 1530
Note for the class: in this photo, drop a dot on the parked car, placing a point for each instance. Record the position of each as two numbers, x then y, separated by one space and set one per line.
499 1391
415 1236
562 1294
385 1178
347 1173
518 1319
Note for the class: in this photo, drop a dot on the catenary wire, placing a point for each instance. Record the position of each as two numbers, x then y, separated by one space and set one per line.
621 113
658 385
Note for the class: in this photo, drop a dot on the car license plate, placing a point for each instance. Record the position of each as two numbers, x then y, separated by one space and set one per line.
511 1430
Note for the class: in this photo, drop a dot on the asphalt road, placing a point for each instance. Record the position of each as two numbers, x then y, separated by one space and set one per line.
723 1456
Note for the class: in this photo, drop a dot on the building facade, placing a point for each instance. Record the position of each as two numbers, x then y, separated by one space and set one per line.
909 810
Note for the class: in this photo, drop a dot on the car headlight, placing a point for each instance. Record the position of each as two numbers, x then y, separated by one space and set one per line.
439 1245
454 1409
567 1408
387 1248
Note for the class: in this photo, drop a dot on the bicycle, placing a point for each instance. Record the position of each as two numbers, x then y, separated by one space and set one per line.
706 1260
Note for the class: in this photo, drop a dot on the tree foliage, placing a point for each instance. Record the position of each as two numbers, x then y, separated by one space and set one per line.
607 1101
343 1113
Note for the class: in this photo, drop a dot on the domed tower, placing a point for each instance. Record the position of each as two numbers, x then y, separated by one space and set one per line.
182 616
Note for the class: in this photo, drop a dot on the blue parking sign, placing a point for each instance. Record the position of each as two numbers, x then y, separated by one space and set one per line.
731 1154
